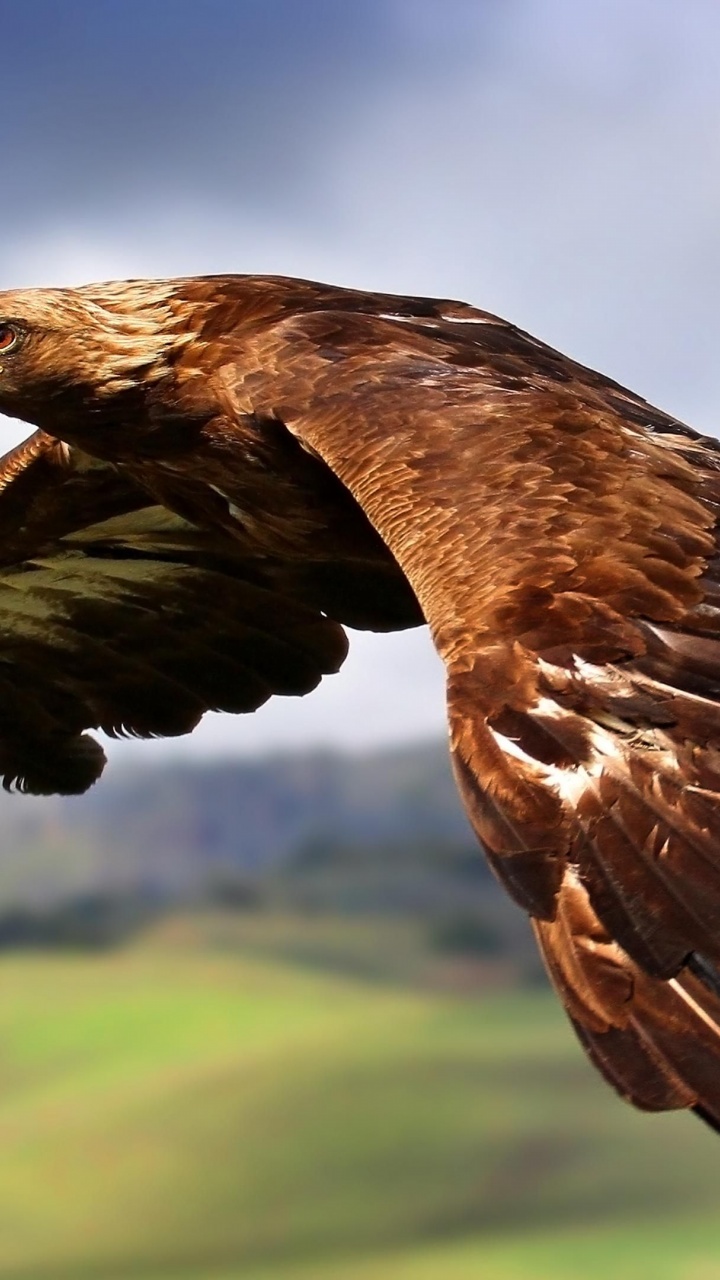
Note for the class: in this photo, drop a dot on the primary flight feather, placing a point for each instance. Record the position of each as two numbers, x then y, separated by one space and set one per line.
230 469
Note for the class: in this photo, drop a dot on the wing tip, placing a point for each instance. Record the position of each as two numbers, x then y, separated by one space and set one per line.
67 767
707 1117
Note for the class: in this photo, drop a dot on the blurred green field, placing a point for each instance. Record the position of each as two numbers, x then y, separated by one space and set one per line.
181 1109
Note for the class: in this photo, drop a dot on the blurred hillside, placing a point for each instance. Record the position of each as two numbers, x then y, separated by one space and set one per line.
171 826
362 864
323 1052
178 1110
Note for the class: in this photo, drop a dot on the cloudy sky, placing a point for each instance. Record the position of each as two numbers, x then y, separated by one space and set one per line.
556 162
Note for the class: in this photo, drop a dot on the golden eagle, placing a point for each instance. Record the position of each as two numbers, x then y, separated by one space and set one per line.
230 469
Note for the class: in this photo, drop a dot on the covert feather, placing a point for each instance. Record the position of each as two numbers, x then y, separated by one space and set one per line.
228 470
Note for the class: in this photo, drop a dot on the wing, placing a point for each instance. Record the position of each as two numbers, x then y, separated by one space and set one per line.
119 615
561 537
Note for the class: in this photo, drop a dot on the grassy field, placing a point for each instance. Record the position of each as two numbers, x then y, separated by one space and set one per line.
180 1109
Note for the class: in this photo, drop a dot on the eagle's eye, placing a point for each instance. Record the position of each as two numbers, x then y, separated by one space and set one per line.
8 338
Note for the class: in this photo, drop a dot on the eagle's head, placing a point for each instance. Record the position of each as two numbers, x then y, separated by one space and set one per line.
66 350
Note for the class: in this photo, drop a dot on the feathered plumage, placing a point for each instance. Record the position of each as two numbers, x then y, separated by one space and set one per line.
229 469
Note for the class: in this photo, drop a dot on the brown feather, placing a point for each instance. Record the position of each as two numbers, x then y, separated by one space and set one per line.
254 460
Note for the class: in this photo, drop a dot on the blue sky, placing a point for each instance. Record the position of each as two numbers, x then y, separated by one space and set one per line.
556 162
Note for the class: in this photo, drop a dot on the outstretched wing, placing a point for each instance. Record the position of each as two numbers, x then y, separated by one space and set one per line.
561 537
119 615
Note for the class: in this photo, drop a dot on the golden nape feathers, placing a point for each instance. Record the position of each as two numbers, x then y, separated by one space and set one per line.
229 470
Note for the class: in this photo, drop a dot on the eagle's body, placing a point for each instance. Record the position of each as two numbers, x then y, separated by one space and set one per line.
230 469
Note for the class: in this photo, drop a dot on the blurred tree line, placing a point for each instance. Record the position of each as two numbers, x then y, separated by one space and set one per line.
322 854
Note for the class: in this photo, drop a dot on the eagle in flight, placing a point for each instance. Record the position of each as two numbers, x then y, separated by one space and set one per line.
229 470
